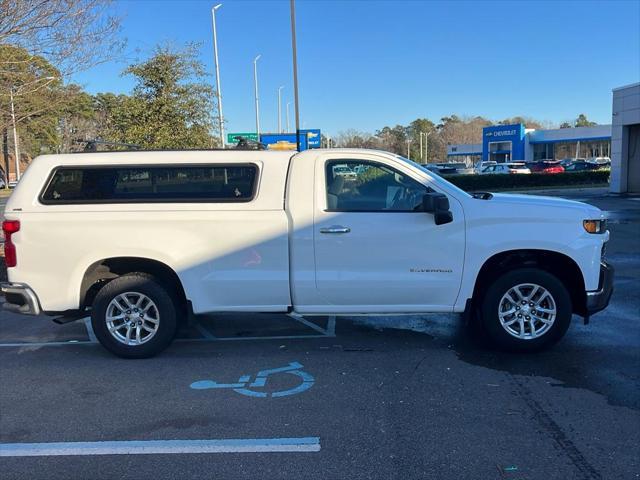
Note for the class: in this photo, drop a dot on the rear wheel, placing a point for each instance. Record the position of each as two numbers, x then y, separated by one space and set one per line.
134 316
527 309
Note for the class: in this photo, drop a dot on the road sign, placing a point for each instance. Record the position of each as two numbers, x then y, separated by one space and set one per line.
282 141
235 137
309 138
313 137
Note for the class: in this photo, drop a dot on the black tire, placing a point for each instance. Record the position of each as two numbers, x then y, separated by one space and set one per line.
166 307
490 303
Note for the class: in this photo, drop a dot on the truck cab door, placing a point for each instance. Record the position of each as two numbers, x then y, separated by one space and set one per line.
376 249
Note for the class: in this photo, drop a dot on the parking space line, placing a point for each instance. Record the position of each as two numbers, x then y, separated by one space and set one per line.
146 447
330 331
331 326
317 328
179 340
90 332
204 332
47 344
229 339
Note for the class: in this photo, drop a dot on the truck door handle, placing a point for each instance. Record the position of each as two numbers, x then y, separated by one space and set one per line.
335 229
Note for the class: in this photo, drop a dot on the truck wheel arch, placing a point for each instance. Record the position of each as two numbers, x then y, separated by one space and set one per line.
99 273
558 264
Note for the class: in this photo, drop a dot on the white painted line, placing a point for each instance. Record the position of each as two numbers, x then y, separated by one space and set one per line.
208 336
146 447
47 344
331 326
179 340
307 323
204 332
90 332
227 339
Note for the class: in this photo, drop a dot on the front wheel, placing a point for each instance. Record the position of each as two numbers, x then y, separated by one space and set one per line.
134 316
525 310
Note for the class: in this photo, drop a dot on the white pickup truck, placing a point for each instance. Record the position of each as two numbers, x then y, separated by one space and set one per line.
141 240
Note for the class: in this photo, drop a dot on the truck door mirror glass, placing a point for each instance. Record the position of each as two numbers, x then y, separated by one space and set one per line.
437 204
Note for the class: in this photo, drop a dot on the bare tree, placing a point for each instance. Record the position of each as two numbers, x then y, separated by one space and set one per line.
354 139
71 34
42 43
529 122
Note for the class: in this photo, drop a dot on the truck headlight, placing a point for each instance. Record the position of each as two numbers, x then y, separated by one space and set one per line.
595 226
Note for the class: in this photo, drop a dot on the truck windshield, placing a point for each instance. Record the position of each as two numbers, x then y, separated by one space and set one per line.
437 179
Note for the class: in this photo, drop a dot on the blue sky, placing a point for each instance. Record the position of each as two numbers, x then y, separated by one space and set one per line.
367 64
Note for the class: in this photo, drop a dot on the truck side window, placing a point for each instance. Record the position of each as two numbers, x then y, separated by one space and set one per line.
361 186
151 184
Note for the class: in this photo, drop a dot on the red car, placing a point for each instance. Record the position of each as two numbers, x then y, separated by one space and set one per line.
546 167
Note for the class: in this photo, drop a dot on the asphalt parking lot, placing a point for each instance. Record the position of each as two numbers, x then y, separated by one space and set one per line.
362 397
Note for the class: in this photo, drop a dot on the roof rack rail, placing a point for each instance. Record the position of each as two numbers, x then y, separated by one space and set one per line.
91 146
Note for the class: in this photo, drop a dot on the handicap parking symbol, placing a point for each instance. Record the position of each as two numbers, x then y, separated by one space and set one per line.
244 383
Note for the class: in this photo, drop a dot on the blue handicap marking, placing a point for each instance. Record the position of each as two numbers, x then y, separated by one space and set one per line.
244 384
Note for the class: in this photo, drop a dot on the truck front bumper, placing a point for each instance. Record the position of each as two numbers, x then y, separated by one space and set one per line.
599 299
19 298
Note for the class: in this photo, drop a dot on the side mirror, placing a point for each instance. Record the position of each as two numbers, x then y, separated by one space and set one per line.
437 204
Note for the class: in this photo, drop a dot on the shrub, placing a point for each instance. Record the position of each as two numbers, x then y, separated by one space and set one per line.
523 181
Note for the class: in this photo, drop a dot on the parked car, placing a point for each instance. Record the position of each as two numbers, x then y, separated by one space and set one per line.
568 161
581 166
447 169
433 168
442 168
602 161
480 165
141 240
506 168
462 169
546 166
344 171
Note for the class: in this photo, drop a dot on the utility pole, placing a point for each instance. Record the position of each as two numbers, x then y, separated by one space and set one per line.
409 149
288 127
294 52
426 146
15 139
13 119
421 158
218 86
280 108
255 81
5 153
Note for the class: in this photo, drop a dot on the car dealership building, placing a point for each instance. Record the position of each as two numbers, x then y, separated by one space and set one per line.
507 143
625 158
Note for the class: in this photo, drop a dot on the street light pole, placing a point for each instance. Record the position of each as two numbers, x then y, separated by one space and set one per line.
13 121
15 140
255 80
288 127
280 108
426 147
218 86
295 70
